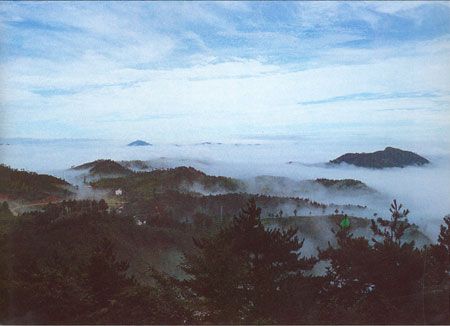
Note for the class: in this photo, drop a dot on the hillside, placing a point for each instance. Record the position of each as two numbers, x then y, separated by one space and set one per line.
181 207
343 184
318 188
79 226
185 179
135 165
387 158
79 252
103 167
23 185
7 220
317 230
184 192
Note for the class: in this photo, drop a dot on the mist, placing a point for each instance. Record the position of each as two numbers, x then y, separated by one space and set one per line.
423 190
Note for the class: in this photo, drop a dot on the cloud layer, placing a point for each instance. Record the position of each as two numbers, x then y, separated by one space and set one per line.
222 70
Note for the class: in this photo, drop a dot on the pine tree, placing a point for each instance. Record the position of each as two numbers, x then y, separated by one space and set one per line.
376 282
444 235
392 230
347 283
105 275
248 274
437 278
439 270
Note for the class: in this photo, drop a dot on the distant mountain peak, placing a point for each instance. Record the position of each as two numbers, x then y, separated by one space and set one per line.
139 143
388 158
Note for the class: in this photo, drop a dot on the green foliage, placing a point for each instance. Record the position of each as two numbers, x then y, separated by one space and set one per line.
438 256
78 262
247 274
437 278
379 282
62 268
341 290
345 223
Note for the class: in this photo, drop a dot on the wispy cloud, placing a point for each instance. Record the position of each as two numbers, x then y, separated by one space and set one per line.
370 97
218 69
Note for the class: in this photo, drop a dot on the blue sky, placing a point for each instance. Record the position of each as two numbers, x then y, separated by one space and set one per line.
194 71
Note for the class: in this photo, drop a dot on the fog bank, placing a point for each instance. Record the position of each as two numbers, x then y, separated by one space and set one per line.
424 190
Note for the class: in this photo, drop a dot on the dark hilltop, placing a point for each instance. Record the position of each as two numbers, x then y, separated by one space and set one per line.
388 158
106 167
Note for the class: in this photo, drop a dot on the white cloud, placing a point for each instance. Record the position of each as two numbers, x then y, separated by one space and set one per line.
220 95
135 62
396 7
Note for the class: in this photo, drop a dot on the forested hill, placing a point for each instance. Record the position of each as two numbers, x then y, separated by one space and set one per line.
16 184
103 167
342 184
387 158
91 265
180 178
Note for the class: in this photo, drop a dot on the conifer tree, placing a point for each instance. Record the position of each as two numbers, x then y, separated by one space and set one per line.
444 235
247 273
374 282
392 230
437 279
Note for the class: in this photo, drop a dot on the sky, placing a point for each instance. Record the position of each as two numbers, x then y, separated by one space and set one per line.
217 71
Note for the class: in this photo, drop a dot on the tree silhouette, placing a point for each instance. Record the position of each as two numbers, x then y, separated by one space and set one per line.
393 229
444 235
247 273
373 283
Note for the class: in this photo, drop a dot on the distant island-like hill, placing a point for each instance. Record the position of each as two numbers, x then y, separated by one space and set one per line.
139 143
388 158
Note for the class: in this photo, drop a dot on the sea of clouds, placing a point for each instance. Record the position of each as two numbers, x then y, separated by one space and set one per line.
424 190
